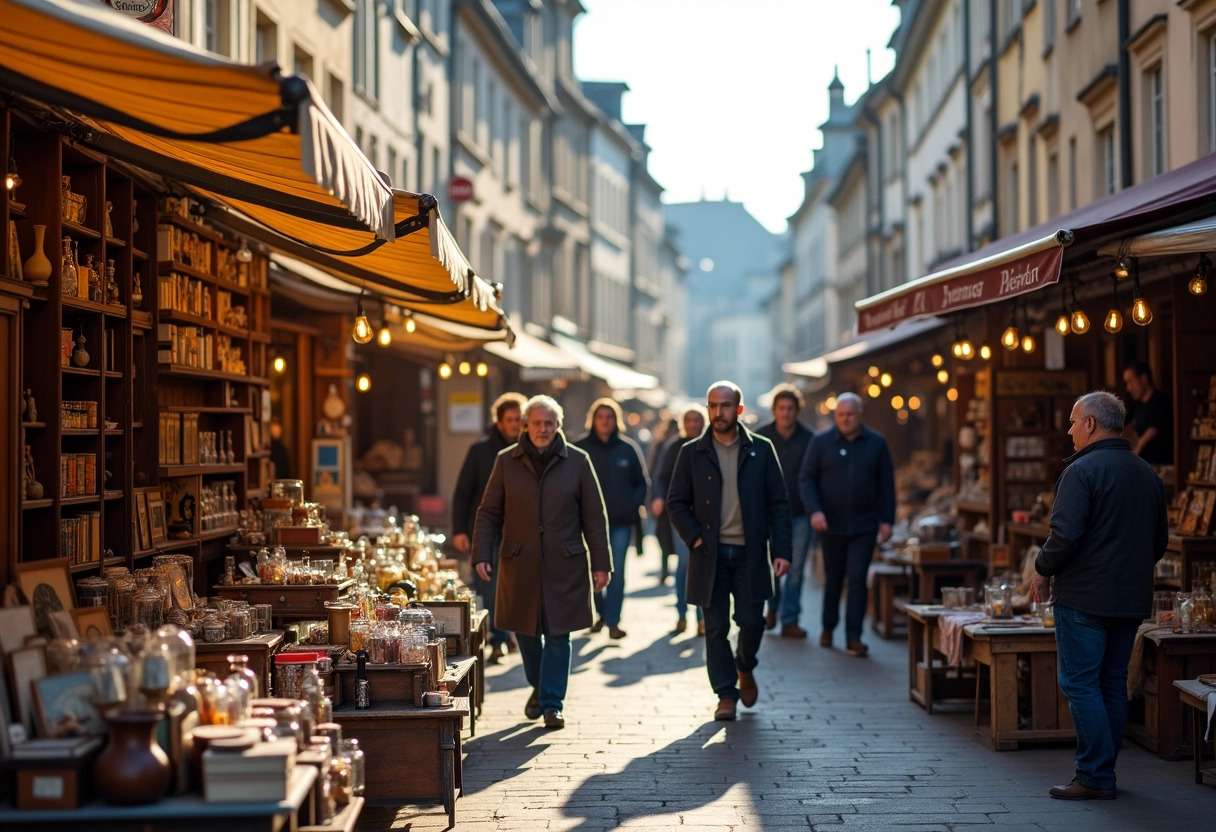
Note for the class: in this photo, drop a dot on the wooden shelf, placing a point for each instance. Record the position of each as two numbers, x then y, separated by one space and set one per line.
113 310
165 266
78 230
215 534
172 316
80 371
200 470
213 375
971 534
113 494
189 409
79 500
113 374
194 228
139 254
33 424
79 431
82 567
32 504
141 320
114 241
1200 484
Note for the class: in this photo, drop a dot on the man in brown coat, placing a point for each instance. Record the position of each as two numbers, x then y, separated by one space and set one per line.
543 501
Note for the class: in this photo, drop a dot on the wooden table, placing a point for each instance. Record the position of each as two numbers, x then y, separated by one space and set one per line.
926 666
288 602
998 650
1158 722
480 633
890 584
189 813
461 678
925 575
1194 694
213 656
413 754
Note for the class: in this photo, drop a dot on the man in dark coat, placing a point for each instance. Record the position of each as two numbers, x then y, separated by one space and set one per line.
848 487
727 501
543 502
623 482
692 425
471 484
1108 530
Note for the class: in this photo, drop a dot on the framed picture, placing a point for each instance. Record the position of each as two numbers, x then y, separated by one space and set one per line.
28 665
47 586
141 520
92 622
156 519
179 500
14 253
63 708
331 475
15 624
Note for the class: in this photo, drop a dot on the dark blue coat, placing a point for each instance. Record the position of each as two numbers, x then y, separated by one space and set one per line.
622 475
851 481
474 474
694 502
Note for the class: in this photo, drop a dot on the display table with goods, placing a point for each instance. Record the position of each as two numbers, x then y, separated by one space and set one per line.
1160 656
890 587
216 657
932 678
933 565
1197 695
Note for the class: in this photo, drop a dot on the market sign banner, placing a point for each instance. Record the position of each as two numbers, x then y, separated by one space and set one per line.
1008 274
158 13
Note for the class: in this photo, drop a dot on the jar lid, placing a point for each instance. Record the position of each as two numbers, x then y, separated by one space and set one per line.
208 734
246 738
276 704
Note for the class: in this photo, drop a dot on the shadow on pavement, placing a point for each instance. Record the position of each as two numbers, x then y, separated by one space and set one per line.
660 656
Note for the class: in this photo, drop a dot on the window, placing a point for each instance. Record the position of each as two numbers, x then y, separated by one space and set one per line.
491 105
405 175
1053 184
337 97
468 110
525 155
1049 25
436 173
1072 173
1107 183
367 49
373 151
217 36
1011 220
301 62
1155 123
266 43
390 166
466 236
1074 12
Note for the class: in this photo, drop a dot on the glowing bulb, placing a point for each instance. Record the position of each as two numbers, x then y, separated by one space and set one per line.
873 371
279 365
952 394
830 401
874 391
244 253
1079 321
362 330
410 326
1063 326
943 376
1121 269
902 416
1197 285
897 402
483 369
913 403
886 380
445 370
465 368
823 408
1028 343
965 350
985 351
1141 313
384 337
937 360
12 181
363 383
956 349
1114 321
1010 338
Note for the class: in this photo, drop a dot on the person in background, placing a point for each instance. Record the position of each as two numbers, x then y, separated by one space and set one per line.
623 482
692 425
727 500
1108 530
791 439
279 455
1151 417
543 502
848 486
470 485
658 491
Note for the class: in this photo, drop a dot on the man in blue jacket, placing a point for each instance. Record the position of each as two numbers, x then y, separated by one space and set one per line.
1108 530
848 487
617 460
727 501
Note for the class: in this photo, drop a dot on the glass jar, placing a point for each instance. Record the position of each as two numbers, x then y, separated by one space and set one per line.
110 673
325 802
292 490
186 563
238 664
312 691
375 645
242 624
1184 613
413 647
149 607
214 628
120 600
91 592
359 631
339 777
355 758
287 725
272 566
62 656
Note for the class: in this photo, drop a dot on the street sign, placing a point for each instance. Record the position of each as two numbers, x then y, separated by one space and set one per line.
460 190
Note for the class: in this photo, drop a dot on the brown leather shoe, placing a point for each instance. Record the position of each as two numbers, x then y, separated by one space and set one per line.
1078 791
532 708
725 711
495 654
700 628
554 719
598 625
681 626
825 639
616 632
748 692
856 648
792 631
770 619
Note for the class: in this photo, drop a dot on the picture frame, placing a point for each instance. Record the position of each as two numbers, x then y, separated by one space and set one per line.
142 522
28 665
157 525
63 706
47 586
16 623
331 472
92 622
61 624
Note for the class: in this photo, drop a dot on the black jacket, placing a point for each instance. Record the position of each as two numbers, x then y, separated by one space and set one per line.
664 465
694 502
1108 529
851 481
622 475
474 474
790 452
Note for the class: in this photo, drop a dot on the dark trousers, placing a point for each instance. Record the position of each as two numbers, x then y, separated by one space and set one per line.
730 581
667 542
846 556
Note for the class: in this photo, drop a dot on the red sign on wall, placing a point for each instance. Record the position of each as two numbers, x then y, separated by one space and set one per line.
460 189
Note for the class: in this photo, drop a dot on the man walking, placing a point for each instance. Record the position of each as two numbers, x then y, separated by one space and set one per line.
1108 529
727 501
470 485
692 425
622 474
544 503
848 486
790 438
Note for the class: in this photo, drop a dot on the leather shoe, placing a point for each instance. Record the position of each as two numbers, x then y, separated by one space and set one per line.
495 654
792 631
1078 791
554 719
725 711
681 626
856 648
532 709
700 628
598 625
616 632
825 639
512 645
748 692
770 619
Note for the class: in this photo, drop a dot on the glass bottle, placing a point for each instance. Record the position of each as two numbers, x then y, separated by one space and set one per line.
326 802
69 276
354 755
312 691
363 698
239 665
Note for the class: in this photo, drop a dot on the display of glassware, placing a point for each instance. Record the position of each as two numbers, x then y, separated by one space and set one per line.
217 504
272 565
998 601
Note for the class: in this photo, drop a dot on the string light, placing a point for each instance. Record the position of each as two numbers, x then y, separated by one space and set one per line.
985 352
873 371
913 403
1142 313
830 401
1198 284
410 326
897 402
385 336
363 383
1010 337
943 376
1121 270
1078 319
465 368
12 180
952 394
885 380
483 369
937 360
445 370
244 254
1028 343
1063 325
874 391
1114 318
278 364
362 330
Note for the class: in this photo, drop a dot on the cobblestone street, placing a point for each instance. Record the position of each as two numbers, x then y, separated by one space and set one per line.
832 744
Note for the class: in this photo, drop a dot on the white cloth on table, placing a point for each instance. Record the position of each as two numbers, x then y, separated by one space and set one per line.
951 625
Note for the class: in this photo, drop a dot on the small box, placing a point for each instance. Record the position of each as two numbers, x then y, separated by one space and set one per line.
299 535
256 775
55 774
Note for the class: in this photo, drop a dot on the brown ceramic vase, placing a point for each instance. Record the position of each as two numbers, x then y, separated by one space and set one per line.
133 769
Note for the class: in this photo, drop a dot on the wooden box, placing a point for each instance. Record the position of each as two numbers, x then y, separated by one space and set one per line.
390 684
299 535
58 782
287 600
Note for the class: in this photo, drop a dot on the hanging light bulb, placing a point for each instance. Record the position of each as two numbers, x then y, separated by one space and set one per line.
1028 342
385 336
1199 283
1077 318
1114 318
897 402
1010 337
363 382
278 364
952 394
465 368
483 369
1142 314
937 359
409 324
362 330
885 380
874 391
244 253
913 403
956 349
1063 325
943 376
873 371
985 352
12 180
445 370
966 350
1121 269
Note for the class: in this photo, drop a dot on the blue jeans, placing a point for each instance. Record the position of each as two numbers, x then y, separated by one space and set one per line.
846 556
609 602
730 580
546 667
682 580
1092 652
788 596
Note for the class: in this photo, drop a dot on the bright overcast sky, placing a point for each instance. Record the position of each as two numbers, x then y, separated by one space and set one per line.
732 93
